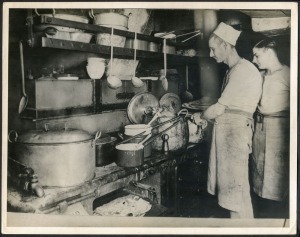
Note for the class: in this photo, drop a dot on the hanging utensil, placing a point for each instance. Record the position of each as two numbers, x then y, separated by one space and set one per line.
112 81
163 78
24 99
187 96
136 82
191 37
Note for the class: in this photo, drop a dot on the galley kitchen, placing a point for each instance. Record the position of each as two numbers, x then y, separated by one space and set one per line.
148 112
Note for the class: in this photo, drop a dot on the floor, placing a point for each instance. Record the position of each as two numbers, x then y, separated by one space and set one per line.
204 205
197 202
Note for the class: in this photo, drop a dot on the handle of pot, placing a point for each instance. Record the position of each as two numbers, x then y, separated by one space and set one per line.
38 14
50 31
46 126
16 136
91 14
129 139
97 136
145 139
183 110
120 135
168 121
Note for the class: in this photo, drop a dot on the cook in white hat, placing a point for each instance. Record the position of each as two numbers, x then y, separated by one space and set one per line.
232 116
223 34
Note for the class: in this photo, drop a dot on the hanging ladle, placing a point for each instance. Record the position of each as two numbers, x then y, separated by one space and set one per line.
136 82
24 99
112 81
187 96
163 77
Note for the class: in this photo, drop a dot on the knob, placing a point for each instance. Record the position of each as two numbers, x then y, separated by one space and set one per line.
165 139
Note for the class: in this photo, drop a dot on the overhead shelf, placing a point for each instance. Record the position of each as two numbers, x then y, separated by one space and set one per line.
100 29
117 51
38 40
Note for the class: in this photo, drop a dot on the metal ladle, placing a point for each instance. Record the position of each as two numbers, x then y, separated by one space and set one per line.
112 81
24 99
136 82
163 78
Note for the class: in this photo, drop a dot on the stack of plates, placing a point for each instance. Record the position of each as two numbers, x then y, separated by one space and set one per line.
197 105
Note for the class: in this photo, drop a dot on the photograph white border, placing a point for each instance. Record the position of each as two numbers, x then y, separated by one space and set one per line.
19 223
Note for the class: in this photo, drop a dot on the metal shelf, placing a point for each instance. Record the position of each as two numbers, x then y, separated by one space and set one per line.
118 52
100 29
37 40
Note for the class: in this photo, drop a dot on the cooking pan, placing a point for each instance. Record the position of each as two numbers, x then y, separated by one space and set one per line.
132 154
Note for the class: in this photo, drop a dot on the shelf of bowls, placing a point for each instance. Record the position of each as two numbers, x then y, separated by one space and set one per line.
134 20
122 19
118 69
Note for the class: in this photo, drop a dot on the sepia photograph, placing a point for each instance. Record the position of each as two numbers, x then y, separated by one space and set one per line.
149 118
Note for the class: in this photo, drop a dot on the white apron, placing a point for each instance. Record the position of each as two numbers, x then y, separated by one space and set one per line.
270 166
228 162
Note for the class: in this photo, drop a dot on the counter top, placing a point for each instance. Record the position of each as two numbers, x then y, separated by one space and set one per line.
107 178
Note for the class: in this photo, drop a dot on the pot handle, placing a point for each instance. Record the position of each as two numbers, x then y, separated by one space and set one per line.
46 126
183 110
120 135
97 136
50 31
91 14
38 14
16 136
146 139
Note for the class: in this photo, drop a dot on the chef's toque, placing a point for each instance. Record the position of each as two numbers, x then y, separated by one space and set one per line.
227 33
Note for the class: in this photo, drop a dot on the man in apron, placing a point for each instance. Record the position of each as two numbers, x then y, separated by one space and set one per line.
233 125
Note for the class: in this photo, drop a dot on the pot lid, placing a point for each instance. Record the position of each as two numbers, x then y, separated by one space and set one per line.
171 101
54 137
139 104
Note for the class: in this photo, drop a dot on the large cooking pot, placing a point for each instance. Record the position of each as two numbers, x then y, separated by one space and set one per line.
60 158
178 135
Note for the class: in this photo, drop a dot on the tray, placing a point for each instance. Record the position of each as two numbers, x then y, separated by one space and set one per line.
156 209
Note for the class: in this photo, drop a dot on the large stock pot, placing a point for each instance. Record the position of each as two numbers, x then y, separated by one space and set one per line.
178 135
60 158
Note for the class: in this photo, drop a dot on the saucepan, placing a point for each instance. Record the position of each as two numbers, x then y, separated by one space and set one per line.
132 154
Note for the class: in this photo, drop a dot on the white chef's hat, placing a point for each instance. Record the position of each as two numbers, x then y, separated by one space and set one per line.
227 33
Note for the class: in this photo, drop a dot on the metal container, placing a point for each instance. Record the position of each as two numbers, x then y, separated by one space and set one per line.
153 47
147 148
105 150
130 155
53 94
178 135
60 158
110 18
140 44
